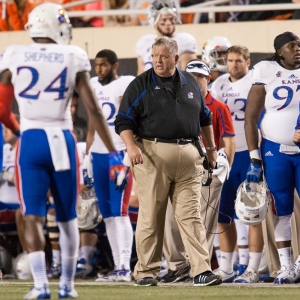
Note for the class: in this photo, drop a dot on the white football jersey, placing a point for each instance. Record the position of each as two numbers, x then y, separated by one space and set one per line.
143 48
281 101
109 97
234 94
44 76
8 191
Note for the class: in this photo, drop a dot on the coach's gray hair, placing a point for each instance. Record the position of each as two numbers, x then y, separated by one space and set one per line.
169 43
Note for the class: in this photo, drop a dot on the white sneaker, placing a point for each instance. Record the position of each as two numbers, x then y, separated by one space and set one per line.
226 277
83 269
112 276
123 276
285 276
41 293
296 270
64 292
249 276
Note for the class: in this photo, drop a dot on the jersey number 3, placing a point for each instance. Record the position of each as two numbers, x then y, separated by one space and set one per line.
60 89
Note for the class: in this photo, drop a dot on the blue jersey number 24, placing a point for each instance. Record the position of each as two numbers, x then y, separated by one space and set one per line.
61 78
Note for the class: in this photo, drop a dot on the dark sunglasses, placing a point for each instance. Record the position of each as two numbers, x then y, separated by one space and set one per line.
199 66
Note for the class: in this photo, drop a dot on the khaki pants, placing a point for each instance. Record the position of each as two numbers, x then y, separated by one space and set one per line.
174 250
269 238
175 171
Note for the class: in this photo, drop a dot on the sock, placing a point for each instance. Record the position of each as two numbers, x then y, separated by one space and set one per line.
244 256
56 259
87 253
226 264
124 240
235 259
37 263
218 256
254 260
110 226
69 244
285 257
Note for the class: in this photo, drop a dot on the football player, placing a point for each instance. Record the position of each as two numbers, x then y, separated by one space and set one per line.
46 153
275 86
163 16
232 88
214 52
113 204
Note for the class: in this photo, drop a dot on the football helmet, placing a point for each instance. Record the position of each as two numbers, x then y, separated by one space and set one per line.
22 267
162 7
88 212
213 53
50 20
251 204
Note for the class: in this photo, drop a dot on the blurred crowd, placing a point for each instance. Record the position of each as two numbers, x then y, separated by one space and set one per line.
14 13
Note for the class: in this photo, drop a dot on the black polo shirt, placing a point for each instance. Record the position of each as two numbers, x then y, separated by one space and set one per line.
151 108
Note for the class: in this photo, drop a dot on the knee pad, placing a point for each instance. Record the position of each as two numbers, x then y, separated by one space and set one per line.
53 230
283 230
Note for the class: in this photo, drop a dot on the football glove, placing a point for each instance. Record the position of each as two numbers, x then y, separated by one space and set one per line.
254 172
87 177
222 166
118 172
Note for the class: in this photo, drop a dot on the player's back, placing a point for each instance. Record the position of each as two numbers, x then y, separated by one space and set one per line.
43 76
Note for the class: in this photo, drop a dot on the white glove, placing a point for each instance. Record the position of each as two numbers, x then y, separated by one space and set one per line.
123 176
222 172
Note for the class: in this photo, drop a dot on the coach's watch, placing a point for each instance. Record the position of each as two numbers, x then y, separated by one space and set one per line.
214 148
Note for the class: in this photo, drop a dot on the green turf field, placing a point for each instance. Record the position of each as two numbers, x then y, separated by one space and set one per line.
89 290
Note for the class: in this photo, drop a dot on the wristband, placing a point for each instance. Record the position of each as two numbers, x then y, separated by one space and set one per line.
213 148
256 161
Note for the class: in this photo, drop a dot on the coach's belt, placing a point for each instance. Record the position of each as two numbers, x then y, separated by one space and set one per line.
172 141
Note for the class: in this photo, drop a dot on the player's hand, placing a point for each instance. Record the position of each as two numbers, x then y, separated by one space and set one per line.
254 173
118 172
222 168
87 178
296 137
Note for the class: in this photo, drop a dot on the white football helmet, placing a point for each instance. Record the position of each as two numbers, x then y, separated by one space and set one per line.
251 204
22 267
50 20
162 7
212 50
88 212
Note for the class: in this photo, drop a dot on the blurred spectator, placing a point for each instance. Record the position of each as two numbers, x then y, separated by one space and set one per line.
265 15
142 19
116 20
94 21
10 19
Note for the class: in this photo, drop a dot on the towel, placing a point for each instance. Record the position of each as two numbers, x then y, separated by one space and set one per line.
223 166
58 149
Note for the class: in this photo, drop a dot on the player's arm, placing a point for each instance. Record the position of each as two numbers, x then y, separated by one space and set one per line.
229 147
255 104
6 100
95 114
184 58
140 65
90 137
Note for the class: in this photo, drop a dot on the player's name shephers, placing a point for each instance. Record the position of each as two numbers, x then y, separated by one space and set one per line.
51 57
